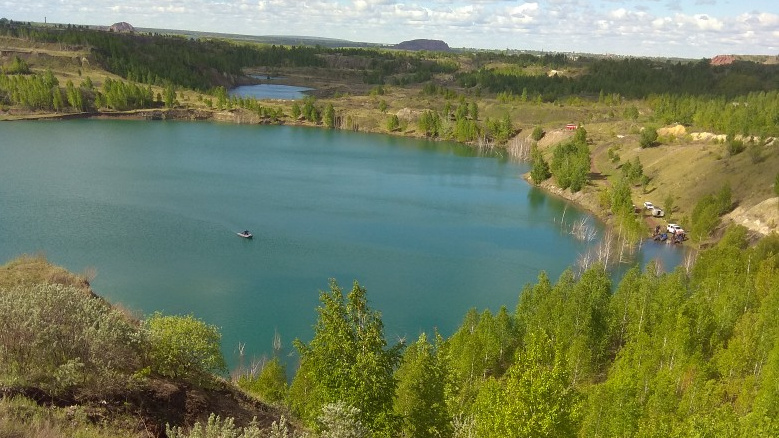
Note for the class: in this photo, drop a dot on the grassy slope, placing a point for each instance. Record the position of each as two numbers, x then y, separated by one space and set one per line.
689 170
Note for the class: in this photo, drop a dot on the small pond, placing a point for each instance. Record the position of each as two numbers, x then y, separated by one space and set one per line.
270 91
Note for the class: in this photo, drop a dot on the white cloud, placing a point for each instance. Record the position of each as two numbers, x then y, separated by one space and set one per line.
699 28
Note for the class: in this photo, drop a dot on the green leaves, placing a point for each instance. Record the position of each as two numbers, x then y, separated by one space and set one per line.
535 399
648 137
60 338
184 347
420 404
571 162
540 171
347 361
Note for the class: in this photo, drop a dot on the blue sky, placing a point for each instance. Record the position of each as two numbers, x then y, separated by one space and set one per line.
681 28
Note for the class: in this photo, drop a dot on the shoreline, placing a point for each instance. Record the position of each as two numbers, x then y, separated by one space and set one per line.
582 200
587 200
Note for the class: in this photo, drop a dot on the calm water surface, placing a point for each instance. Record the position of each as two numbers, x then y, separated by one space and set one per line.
428 228
270 91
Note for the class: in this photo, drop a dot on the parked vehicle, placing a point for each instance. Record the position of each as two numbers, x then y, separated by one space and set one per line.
674 228
648 205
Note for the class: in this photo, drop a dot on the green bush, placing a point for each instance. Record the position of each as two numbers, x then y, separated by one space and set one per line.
62 339
538 133
540 171
571 162
270 384
215 427
184 347
393 123
648 137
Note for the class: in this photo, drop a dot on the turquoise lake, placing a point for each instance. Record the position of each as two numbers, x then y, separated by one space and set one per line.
431 229
270 91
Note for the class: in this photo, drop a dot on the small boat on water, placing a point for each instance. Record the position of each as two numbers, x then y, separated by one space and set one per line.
245 234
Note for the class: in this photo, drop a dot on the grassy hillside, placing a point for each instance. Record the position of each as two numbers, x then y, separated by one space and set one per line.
74 365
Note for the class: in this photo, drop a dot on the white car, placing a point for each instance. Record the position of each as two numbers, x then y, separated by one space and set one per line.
648 205
674 228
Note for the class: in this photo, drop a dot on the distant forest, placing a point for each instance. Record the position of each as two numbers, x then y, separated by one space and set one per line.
739 98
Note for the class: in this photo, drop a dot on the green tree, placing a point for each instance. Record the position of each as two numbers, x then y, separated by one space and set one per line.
296 111
648 137
270 384
540 171
420 404
669 205
538 133
383 106
57 102
347 361
571 162
535 399
393 123
169 96
184 347
329 116
631 113
74 95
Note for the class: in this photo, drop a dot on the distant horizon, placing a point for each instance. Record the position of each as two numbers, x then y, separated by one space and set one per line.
689 29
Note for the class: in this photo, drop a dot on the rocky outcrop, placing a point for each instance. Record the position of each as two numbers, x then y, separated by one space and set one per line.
430 45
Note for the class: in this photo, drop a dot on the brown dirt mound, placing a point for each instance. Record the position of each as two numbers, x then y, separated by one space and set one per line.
676 131
762 218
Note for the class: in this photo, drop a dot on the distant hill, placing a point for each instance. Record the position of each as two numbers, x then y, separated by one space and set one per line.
431 45
121 27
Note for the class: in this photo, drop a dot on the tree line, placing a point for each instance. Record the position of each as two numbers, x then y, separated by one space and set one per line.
691 352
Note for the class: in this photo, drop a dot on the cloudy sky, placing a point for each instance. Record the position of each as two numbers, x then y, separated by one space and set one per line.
684 28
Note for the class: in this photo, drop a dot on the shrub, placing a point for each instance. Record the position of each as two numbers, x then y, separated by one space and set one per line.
540 171
338 420
184 347
215 427
648 137
393 123
61 339
538 133
734 146
270 384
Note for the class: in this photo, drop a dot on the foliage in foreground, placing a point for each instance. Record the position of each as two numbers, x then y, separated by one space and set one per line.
692 352
22 417
60 339
184 347
66 342
347 361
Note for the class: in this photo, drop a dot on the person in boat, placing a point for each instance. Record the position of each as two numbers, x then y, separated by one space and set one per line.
245 232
